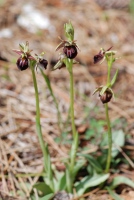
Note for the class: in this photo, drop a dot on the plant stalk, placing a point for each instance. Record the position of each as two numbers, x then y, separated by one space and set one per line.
109 156
109 139
46 78
108 76
72 101
109 62
75 134
43 145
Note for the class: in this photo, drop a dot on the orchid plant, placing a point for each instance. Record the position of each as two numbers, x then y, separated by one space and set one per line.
106 93
55 182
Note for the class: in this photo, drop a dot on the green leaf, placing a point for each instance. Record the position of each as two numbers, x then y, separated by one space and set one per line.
46 78
95 164
89 133
114 195
43 187
114 78
60 181
68 179
102 159
121 180
118 138
90 170
89 181
47 197
79 164
74 151
33 197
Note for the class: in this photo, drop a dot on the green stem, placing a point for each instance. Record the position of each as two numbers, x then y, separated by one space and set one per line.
43 145
72 100
46 78
67 120
75 134
109 62
109 139
108 75
38 125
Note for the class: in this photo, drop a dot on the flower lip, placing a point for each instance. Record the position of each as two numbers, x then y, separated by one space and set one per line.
22 63
69 48
106 97
43 63
101 55
70 51
98 58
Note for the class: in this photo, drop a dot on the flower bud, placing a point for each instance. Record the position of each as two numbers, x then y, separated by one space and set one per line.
22 63
70 51
106 97
43 63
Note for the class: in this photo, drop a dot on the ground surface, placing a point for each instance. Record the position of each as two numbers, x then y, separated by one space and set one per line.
95 27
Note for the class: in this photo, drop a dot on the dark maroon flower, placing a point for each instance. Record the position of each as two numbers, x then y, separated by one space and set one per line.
25 56
106 97
98 57
43 63
70 51
22 63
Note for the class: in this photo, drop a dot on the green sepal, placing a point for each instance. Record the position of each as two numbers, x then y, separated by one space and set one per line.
103 90
109 53
114 78
98 89
58 65
22 46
